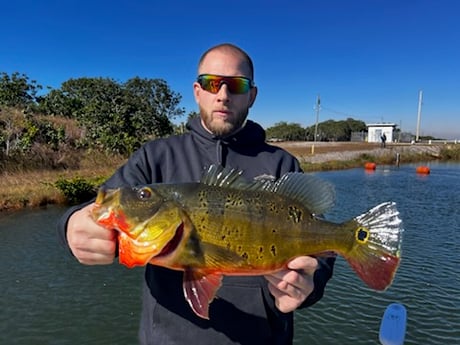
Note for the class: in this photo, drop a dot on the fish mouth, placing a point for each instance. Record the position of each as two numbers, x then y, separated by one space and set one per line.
173 243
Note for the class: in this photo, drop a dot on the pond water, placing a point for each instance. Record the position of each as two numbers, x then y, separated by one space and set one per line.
49 298
428 279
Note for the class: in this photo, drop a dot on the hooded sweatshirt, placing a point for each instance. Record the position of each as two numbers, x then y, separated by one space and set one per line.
243 311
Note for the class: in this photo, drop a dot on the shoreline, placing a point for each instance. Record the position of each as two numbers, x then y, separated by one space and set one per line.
325 152
347 155
37 189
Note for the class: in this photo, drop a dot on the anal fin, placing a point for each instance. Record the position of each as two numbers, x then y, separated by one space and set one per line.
200 289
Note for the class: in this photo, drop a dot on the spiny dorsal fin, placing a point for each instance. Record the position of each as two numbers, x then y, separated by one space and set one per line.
218 176
314 193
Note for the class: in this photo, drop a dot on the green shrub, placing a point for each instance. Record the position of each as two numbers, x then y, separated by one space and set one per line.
77 190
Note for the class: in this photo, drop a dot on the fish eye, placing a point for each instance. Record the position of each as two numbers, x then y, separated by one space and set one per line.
144 193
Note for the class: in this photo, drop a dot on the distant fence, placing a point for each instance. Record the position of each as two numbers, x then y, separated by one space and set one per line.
441 141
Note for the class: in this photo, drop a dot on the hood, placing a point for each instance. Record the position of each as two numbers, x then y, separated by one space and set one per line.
250 136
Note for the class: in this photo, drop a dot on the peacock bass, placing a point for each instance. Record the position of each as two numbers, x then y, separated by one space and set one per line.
225 225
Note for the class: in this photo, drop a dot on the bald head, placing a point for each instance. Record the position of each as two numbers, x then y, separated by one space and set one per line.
230 49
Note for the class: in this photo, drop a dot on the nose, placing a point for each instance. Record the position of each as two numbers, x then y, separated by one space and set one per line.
223 94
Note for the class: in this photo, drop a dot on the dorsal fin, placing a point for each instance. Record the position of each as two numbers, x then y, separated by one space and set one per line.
312 192
218 176
316 194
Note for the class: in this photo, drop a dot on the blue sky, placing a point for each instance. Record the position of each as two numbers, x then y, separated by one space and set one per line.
367 59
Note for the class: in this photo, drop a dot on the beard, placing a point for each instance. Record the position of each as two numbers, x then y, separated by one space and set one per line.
223 128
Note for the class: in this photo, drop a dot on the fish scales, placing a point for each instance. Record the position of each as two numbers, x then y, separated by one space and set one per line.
265 229
225 225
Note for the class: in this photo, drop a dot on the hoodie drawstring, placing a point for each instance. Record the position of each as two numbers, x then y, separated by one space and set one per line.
219 151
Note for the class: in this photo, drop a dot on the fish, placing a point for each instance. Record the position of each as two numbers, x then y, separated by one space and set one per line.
226 225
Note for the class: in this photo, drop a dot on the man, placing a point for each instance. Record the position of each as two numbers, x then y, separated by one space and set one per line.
383 138
247 310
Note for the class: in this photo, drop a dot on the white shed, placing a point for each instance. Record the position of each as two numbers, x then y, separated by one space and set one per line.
376 130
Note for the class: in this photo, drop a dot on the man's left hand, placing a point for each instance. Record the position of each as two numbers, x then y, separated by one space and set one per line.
292 286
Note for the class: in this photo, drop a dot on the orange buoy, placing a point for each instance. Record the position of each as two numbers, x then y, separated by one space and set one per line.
370 166
423 169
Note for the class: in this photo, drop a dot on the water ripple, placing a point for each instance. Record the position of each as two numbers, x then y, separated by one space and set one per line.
428 280
48 298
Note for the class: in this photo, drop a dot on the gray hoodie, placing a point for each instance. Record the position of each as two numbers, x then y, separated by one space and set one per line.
243 311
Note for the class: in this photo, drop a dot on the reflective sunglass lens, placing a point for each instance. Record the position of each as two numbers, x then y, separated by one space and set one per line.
236 85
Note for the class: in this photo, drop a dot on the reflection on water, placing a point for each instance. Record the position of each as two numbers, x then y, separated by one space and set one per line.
48 298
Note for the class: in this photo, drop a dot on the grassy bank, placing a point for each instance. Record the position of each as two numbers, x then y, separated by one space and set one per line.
20 189
447 154
338 156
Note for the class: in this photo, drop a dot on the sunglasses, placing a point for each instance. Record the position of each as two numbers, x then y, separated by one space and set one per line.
236 85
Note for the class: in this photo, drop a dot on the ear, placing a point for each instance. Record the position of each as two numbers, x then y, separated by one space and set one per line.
252 95
196 92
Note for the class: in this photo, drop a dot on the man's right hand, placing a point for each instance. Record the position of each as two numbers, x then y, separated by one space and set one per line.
90 243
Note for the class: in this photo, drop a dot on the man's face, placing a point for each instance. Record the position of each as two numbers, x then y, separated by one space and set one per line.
224 112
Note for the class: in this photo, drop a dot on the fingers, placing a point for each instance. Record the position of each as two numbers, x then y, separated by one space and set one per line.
93 251
288 297
299 273
291 287
289 281
90 243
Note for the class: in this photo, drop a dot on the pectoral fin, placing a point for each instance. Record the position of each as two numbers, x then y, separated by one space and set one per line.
200 289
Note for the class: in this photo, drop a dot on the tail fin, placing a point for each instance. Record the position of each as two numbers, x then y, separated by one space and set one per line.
376 252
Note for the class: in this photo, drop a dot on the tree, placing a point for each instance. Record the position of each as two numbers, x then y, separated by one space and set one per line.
332 130
356 125
156 105
181 128
30 141
17 90
192 115
116 117
59 103
12 124
285 131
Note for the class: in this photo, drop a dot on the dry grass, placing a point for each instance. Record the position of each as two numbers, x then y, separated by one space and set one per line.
36 188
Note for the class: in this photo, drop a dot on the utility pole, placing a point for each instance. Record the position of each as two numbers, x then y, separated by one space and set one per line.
318 102
419 114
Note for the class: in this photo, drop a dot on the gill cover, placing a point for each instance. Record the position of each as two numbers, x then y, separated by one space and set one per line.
145 220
